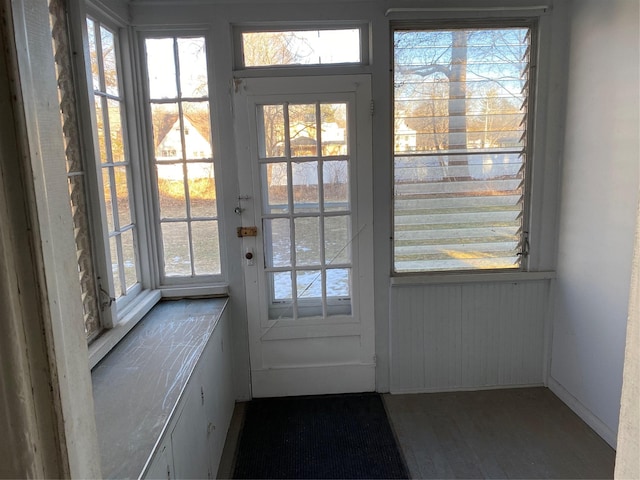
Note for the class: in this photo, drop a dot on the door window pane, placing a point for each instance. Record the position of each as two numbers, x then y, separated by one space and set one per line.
334 129
309 284
302 130
335 179
306 196
275 179
277 242
271 131
337 240
339 282
307 236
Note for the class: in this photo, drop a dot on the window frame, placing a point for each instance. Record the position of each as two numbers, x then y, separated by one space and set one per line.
116 318
178 286
530 201
311 69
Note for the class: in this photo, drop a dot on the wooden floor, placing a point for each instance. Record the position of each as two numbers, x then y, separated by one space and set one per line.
518 433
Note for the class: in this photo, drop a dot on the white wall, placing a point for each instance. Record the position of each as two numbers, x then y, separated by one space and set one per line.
598 206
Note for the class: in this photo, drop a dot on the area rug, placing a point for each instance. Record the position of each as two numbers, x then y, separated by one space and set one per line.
332 436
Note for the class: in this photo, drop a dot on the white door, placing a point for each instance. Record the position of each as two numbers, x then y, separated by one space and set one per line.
305 181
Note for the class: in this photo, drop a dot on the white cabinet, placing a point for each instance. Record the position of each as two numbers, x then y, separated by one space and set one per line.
192 444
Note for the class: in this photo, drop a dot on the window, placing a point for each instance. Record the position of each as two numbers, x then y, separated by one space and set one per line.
461 105
301 47
113 166
183 157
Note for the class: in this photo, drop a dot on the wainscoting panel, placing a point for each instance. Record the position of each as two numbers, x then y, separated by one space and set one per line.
468 336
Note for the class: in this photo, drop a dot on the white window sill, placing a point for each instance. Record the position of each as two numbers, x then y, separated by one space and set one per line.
449 278
131 315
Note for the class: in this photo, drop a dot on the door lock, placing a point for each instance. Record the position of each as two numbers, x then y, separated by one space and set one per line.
248 255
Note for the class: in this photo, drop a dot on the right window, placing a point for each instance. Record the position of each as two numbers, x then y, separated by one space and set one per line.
461 104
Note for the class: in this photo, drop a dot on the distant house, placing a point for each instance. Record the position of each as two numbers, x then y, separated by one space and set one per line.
196 145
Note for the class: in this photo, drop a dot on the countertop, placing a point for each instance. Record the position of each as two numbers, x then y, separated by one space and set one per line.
138 384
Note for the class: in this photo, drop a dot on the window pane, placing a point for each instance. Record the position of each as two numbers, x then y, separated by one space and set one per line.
93 54
335 179
282 285
108 200
334 129
271 141
175 240
171 190
307 235
129 259
277 234
301 47
339 282
109 61
115 266
193 67
197 130
206 254
460 140
202 190
302 130
309 283
166 131
122 194
102 146
274 178
337 240
115 131
306 196
161 68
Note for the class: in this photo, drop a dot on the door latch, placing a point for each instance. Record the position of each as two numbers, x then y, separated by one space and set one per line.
247 232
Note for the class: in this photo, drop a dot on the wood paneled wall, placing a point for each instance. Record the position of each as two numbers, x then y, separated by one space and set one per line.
468 336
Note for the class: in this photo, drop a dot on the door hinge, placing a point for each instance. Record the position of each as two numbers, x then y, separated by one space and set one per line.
372 107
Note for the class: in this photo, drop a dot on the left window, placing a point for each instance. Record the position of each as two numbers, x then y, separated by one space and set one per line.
113 166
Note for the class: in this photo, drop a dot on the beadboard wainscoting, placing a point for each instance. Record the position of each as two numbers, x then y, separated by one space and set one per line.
469 336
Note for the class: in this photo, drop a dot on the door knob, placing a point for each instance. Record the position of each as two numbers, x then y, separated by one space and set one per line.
248 255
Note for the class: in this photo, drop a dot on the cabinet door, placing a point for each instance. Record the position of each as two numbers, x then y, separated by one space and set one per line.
162 464
218 388
189 436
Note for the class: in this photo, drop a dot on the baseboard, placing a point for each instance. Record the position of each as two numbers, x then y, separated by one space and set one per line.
607 434
471 388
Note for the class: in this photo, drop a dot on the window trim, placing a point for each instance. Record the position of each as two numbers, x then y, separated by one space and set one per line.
530 201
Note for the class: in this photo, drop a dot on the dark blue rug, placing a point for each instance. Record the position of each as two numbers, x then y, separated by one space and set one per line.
332 436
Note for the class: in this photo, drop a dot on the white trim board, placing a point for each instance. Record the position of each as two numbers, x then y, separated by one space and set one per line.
607 434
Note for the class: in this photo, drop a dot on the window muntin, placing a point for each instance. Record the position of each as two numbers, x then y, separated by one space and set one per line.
304 163
114 167
461 102
183 156
301 47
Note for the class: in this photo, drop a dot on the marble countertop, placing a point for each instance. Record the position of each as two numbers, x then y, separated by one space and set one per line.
138 384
